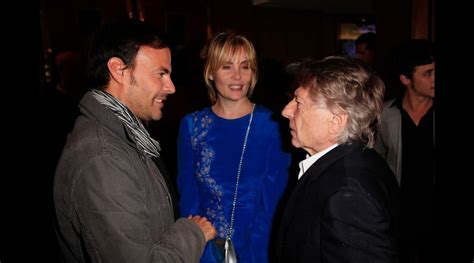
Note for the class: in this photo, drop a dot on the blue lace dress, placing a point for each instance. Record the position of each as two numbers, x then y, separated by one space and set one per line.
209 149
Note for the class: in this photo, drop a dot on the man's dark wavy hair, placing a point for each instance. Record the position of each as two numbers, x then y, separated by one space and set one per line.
413 53
120 39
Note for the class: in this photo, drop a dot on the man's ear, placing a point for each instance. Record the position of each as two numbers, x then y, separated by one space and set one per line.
338 122
406 81
116 68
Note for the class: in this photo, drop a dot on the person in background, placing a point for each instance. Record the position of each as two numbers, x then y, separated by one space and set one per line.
365 48
406 140
112 195
344 206
231 166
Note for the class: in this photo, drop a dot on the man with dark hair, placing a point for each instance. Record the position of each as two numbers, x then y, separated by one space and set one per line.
365 47
114 200
406 141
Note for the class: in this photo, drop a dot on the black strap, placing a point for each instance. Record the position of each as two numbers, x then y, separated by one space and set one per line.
169 183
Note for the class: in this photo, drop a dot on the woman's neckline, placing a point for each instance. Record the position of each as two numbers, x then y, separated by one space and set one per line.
237 117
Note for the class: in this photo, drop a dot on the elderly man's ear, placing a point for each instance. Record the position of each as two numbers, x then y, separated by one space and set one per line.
338 123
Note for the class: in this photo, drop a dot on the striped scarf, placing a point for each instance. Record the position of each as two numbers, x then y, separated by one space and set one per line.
134 125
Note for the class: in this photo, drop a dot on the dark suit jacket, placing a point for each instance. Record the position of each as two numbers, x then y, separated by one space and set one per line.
343 209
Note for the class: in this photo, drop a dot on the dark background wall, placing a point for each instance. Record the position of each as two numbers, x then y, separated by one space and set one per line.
282 30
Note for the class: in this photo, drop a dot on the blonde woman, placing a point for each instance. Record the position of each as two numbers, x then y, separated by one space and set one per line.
231 167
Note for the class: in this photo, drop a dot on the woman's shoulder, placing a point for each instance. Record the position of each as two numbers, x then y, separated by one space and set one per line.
263 111
267 121
199 113
200 119
265 114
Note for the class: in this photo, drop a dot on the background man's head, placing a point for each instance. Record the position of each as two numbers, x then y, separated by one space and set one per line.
415 66
365 47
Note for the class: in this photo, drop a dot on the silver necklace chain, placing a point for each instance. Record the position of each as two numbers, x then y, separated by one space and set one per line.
234 202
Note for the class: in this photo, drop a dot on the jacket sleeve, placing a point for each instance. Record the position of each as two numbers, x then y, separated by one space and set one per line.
115 221
275 179
187 182
355 228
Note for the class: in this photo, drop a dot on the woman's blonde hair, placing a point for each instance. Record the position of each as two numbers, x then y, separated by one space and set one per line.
220 49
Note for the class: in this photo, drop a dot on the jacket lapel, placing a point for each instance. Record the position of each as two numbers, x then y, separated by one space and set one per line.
309 177
326 160
394 125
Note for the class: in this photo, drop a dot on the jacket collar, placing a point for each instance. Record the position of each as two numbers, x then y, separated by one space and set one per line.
312 174
91 108
329 158
397 102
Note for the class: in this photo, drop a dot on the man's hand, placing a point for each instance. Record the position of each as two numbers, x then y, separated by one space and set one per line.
206 227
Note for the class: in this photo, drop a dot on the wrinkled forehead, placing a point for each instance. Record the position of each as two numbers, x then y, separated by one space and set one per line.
311 95
303 93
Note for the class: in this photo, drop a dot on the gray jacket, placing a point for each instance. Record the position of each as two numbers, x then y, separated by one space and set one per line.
112 203
388 142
